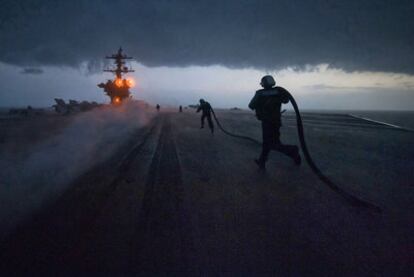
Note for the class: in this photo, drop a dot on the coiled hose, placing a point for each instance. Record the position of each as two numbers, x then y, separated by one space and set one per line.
353 200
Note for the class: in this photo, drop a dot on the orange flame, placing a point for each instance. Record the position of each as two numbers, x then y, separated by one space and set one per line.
130 82
118 82
117 100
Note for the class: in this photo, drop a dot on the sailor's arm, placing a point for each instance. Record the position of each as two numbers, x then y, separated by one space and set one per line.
253 102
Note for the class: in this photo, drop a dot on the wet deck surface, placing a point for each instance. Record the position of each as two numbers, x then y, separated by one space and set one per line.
182 200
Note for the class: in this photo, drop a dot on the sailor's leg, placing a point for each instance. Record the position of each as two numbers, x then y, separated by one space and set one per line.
267 141
289 150
202 120
210 123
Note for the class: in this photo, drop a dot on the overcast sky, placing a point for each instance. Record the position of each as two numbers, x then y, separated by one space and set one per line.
330 54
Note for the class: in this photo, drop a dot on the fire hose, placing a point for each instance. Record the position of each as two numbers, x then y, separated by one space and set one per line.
353 200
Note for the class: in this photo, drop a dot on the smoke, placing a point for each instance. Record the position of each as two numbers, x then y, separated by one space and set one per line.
48 167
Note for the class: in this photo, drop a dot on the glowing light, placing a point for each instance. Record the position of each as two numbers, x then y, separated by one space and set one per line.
130 82
119 82
117 100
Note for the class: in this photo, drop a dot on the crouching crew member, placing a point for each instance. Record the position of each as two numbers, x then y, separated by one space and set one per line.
267 103
205 108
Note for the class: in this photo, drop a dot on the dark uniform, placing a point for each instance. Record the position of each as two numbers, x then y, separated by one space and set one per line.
267 104
205 107
158 108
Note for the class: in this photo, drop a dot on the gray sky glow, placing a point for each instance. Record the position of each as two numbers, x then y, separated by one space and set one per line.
329 54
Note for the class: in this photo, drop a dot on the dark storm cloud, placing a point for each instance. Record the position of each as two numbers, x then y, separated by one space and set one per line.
32 70
373 35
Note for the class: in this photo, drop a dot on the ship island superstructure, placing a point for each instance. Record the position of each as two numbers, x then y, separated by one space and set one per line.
118 88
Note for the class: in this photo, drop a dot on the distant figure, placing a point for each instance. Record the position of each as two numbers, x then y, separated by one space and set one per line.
158 107
181 109
267 103
205 107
